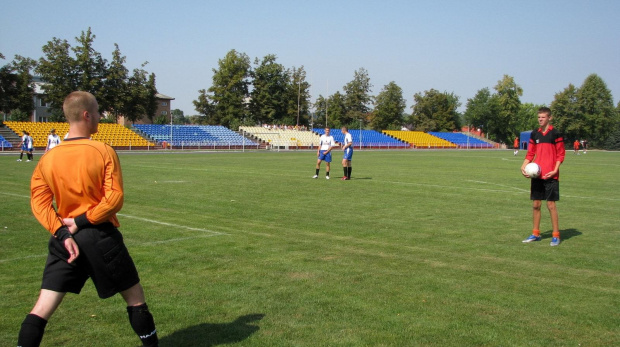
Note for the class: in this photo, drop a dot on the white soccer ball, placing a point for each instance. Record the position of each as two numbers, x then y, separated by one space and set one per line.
532 170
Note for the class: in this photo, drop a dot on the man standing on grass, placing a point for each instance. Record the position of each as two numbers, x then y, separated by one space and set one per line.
546 148
84 178
347 147
324 152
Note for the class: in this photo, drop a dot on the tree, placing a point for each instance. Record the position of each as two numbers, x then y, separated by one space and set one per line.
566 115
229 91
58 69
527 119
504 124
298 91
204 106
435 111
178 117
141 99
269 97
116 90
357 99
16 87
320 109
336 111
595 103
480 109
389 108
90 67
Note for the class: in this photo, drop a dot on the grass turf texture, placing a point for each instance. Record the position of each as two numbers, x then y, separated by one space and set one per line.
420 248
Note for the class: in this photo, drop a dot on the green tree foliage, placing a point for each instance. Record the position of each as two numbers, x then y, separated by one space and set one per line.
298 97
527 119
320 107
435 111
16 87
204 106
116 88
141 93
337 111
229 91
509 103
357 98
480 109
271 92
389 108
595 103
178 117
87 70
566 115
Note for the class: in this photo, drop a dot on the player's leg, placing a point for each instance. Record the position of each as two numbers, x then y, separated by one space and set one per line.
535 222
327 166
33 326
317 168
345 170
140 317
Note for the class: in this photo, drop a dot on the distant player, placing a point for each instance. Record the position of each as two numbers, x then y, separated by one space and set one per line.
26 146
53 140
576 146
516 146
546 148
324 152
347 147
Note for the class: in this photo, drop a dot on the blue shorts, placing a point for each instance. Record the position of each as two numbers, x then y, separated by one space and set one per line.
348 153
24 148
326 157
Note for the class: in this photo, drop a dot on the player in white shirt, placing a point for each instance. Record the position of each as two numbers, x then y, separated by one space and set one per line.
53 140
347 147
26 146
324 152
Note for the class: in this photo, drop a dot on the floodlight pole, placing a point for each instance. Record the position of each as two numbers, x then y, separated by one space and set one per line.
298 102
360 133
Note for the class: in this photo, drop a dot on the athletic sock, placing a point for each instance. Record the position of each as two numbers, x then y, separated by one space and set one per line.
143 324
344 169
317 171
31 332
21 155
327 174
536 233
556 234
349 169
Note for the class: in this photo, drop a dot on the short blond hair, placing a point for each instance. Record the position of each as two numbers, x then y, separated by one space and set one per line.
76 103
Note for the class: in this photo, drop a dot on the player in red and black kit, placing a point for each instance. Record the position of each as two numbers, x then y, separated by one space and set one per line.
546 148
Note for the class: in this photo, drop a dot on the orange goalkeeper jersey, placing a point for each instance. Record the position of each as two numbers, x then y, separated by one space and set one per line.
83 177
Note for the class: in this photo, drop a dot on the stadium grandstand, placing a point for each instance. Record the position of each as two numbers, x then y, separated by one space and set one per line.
282 138
215 136
4 143
366 138
462 140
114 135
419 139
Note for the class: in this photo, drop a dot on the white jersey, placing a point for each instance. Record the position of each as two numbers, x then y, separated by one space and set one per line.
29 142
348 139
52 141
326 142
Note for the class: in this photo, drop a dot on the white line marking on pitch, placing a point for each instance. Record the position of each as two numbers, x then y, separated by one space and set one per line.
171 224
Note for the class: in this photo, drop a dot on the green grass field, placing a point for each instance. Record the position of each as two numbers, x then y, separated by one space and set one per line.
421 248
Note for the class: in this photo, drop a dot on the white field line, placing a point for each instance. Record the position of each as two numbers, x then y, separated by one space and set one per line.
177 226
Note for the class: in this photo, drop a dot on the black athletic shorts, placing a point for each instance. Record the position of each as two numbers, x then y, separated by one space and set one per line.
545 189
103 257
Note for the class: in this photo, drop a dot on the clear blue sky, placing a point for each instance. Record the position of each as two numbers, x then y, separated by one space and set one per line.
455 46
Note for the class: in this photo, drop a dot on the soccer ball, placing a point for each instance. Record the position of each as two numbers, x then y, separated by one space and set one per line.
532 170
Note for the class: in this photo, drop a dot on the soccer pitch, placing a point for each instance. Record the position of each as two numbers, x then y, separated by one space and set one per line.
420 248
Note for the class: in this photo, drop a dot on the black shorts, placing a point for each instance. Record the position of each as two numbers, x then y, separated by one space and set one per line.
545 189
103 257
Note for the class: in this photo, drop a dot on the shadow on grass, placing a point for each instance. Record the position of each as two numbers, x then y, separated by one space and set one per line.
213 334
564 234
